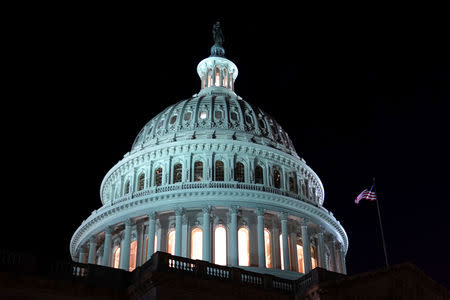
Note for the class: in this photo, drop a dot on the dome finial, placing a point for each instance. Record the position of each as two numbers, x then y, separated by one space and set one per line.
217 49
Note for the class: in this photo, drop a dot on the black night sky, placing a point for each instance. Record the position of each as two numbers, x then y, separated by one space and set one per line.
361 95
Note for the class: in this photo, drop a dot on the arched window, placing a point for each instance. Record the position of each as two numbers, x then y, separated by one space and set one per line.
127 187
146 247
276 179
217 79
177 173
116 257
259 175
196 243
300 262
141 182
203 81
268 248
220 171
293 183
239 172
243 247
171 242
313 257
231 82
220 245
133 252
198 171
158 176
209 78
225 78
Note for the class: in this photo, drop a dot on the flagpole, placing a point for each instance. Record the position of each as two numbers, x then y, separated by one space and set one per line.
381 225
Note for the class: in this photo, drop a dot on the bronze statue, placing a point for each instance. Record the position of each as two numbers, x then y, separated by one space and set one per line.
217 34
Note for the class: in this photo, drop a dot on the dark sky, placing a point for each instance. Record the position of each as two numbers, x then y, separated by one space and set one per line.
361 95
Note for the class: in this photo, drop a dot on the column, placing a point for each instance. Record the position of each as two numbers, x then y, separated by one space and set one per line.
139 248
284 239
294 258
260 231
82 257
125 250
276 245
333 265
306 246
337 253
206 255
178 229
322 262
151 234
234 235
343 266
92 248
107 247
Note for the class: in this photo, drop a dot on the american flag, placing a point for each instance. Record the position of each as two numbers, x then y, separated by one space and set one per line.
366 194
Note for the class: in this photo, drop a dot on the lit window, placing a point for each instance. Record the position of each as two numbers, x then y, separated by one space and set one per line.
203 114
198 171
243 247
239 172
177 173
158 176
209 78
313 257
187 116
220 173
146 247
196 243
127 187
217 79
268 249
231 81
220 245
301 267
141 181
171 242
276 179
173 119
116 257
203 81
133 249
259 177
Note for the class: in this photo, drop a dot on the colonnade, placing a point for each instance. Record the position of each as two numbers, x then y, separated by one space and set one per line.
287 234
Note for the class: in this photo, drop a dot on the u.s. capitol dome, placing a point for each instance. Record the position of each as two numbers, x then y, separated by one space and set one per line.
214 178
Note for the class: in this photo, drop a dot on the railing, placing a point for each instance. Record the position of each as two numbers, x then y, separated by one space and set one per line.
210 185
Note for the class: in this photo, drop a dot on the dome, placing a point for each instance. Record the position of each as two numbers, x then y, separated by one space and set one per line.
215 114
213 178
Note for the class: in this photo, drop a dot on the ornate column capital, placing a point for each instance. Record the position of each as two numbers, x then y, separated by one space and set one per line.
93 239
127 222
179 211
151 215
260 211
206 209
234 209
108 229
284 216
304 222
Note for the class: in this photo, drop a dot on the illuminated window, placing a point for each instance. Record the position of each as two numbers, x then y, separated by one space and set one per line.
313 257
220 172
259 175
187 116
133 251
173 119
293 183
127 187
220 245
171 242
116 257
177 173
158 176
301 267
225 78
196 243
276 179
198 171
231 81
239 172
203 81
268 249
217 79
141 182
203 114
209 78
243 247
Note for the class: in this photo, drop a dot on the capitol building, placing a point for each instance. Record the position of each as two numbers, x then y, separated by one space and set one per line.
217 179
